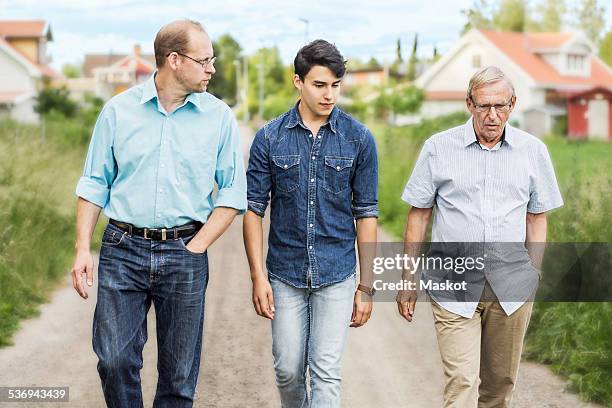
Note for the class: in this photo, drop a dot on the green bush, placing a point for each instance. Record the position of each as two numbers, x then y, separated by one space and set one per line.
575 339
276 105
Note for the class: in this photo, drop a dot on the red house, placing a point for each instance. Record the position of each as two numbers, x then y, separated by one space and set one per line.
590 114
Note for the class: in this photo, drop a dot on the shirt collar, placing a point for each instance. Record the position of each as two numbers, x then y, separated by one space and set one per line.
149 91
295 119
470 135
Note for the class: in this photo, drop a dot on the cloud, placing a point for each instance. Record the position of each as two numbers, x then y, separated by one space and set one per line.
360 28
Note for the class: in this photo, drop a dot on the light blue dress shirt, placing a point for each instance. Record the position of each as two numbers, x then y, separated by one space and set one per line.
157 169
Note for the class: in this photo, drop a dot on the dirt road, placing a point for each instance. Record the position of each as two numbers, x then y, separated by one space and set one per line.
387 364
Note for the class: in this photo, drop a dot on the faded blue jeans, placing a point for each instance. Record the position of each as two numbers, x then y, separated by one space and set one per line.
309 331
134 272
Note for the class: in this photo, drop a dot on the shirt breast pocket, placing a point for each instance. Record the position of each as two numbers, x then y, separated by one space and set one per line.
287 172
337 173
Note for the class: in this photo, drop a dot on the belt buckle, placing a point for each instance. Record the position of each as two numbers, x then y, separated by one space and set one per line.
163 231
146 232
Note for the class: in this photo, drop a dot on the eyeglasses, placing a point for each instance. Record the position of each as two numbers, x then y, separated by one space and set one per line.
203 63
499 108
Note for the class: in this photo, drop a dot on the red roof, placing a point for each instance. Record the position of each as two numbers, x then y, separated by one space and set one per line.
445 95
519 47
10 97
22 28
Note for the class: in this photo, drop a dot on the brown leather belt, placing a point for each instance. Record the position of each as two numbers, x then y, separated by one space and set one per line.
158 234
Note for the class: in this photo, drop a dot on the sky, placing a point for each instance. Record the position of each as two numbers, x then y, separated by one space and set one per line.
359 28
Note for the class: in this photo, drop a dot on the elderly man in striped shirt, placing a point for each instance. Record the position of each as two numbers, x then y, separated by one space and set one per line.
490 183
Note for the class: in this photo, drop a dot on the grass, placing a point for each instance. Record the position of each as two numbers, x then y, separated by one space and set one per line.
574 338
37 206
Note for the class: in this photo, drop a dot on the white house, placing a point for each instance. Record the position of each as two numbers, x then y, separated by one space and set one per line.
23 66
547 70
106 75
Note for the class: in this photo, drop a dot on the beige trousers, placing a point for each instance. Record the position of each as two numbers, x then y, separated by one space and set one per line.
481 355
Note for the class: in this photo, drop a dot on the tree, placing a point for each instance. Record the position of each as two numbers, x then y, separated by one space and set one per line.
71 70
510 15
551 13
411 74
373 63
591 19
605 48
478 16
55 99
277 77
398 51
223 83
400 100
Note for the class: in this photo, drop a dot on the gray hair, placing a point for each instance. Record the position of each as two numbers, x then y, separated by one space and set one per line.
488 75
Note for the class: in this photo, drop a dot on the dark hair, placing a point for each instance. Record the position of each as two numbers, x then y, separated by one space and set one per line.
319 52
173 37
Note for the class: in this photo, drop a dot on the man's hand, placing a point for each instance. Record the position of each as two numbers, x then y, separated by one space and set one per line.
196 249
83 265
406 302
362 309
263 299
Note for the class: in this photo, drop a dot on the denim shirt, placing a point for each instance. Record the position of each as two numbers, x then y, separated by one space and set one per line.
318 185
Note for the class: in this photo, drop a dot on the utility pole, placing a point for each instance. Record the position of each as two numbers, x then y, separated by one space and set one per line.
306 22
261 85
237 72
245 73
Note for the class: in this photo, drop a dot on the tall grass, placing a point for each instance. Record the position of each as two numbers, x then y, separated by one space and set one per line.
39 168
575 338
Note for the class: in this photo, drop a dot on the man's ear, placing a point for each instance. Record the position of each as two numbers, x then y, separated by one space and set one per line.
297 82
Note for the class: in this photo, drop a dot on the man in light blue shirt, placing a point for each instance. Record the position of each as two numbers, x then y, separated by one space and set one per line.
156 153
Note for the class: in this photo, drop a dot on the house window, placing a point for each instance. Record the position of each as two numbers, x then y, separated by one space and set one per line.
576 63
476 63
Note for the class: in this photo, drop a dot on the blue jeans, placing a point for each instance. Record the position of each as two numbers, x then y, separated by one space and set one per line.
133 272
309 331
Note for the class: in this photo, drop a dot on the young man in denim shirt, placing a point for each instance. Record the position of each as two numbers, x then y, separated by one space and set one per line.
319 168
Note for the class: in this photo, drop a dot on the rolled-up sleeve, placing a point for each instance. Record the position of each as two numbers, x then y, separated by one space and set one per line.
259 179
365 180
420 191
100 167
229 173
544 194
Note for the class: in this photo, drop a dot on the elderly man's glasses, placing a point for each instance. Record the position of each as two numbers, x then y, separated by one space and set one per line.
203 63
500 108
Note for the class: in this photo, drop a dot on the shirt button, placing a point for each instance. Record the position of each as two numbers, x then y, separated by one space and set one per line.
310 225
312 203
313 157
319 136
286 166
312 180
162 166
310 247
310 135
337 167
161 191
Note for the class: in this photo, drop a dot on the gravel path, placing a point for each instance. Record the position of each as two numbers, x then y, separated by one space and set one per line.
388 363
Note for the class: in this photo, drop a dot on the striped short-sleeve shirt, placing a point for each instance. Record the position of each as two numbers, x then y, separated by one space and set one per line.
481 194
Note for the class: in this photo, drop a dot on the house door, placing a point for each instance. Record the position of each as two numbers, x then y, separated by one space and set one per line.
598 119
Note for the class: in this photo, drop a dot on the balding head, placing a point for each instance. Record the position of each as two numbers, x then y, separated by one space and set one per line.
175 36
